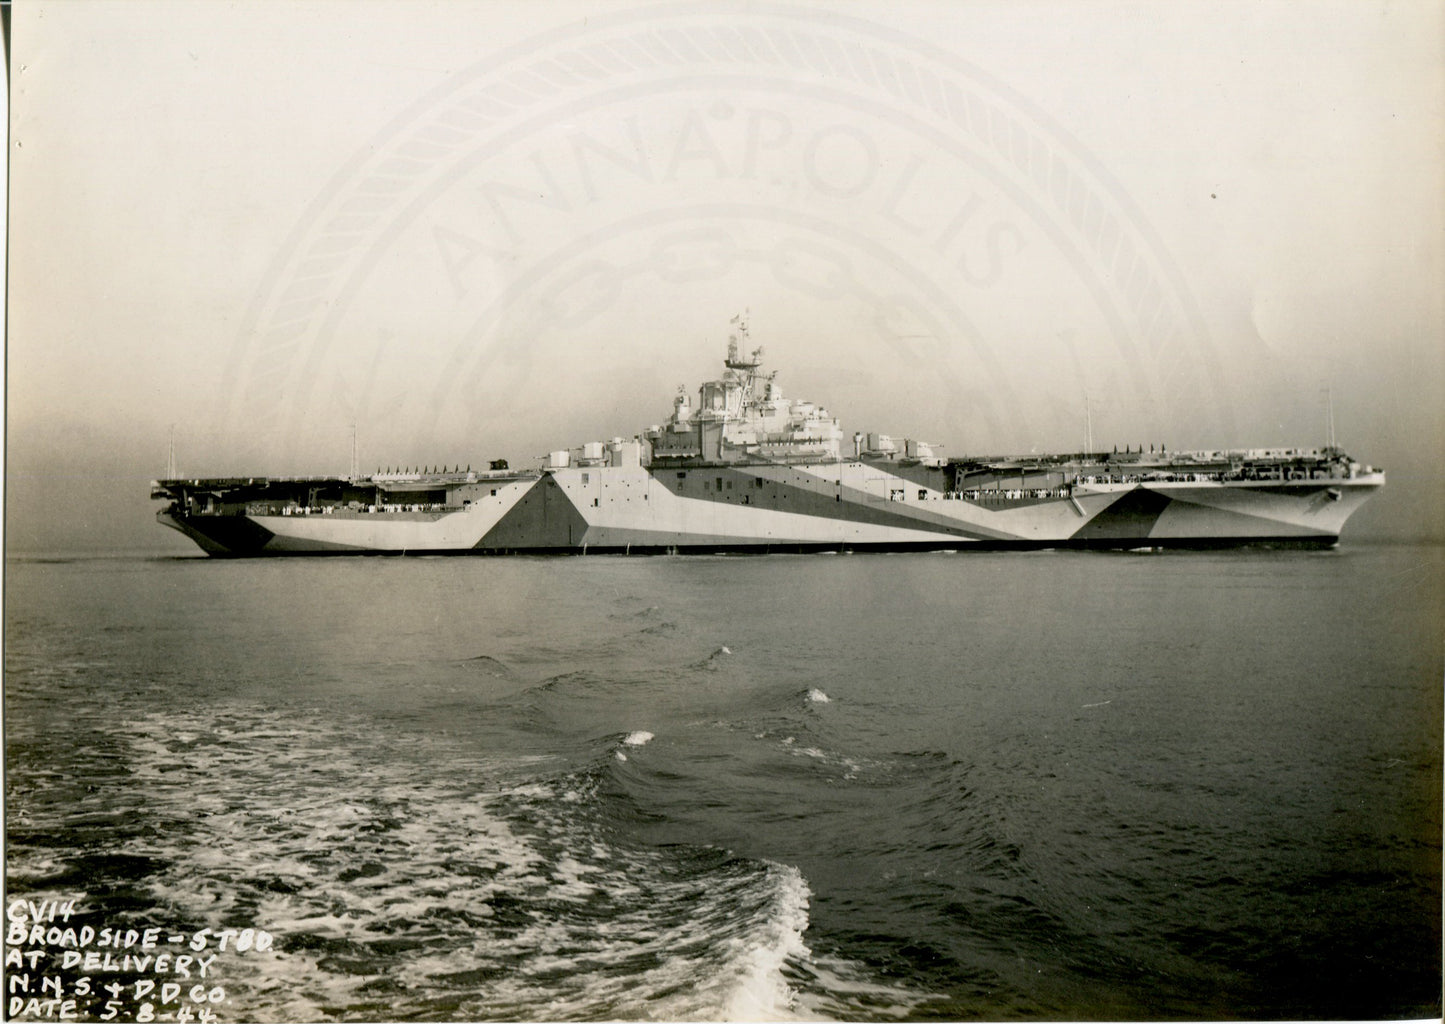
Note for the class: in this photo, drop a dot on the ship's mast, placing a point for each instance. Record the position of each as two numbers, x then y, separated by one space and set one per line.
743 368
171 456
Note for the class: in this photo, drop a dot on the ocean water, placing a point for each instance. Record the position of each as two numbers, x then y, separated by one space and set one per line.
945 786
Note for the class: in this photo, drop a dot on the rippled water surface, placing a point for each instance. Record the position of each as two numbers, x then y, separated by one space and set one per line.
993 786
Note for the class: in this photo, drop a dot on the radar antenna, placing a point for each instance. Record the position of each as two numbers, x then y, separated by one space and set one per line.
734 360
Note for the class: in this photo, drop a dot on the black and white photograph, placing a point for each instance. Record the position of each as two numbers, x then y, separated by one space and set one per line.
724 510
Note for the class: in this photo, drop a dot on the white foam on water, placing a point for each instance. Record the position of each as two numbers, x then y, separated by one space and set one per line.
300 838
817 696
840 989
714 660
851 767
390 867
711 947
760 991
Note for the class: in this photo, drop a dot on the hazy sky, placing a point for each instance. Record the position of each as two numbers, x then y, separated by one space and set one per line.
482 230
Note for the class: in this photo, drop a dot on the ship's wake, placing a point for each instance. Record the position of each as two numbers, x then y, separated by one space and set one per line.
396 872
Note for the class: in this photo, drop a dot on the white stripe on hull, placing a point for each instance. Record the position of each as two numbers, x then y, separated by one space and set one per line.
1269 512
393 531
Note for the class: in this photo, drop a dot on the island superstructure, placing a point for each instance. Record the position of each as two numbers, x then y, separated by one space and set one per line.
748 469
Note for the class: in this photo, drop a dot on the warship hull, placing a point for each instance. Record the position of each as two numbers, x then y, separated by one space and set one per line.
847 506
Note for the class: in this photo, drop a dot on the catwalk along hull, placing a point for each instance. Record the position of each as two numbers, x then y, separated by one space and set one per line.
746 469
844 506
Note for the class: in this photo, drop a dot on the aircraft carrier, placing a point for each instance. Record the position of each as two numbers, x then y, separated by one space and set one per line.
746 469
